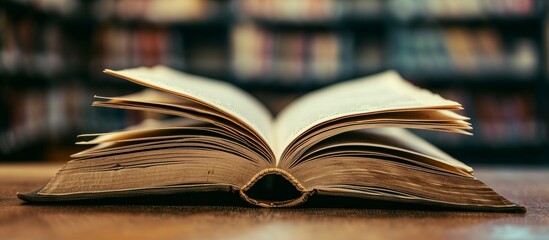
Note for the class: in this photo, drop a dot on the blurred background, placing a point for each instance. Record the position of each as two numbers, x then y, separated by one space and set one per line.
489 55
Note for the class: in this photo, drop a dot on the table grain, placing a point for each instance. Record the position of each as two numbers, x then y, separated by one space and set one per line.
526 186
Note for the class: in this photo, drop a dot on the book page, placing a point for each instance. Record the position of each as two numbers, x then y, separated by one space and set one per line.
382 92
395 143
219 95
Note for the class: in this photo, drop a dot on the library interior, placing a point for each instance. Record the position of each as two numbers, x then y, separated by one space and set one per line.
491 56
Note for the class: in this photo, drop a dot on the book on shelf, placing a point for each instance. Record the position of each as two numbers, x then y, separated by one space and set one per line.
347 140
449 51
290 57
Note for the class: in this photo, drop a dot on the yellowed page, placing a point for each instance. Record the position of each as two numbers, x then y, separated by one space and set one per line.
382 92
216 94
398 139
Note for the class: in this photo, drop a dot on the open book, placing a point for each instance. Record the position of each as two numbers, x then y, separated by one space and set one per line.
348 139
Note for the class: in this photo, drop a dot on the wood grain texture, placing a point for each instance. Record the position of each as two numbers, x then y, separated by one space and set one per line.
529 187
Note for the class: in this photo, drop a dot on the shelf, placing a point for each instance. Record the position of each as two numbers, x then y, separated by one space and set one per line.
499 80
532 155
254 84
481 81
381 21
217 22
341 23
473 20
33 81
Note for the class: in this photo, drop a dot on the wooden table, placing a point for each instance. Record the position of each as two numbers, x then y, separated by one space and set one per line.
529 187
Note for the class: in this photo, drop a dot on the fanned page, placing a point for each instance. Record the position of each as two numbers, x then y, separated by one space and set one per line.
216 94
382 93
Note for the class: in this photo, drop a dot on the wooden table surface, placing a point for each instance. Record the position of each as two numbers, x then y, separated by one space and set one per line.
529 187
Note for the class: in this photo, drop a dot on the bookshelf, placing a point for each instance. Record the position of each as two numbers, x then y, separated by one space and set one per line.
487 56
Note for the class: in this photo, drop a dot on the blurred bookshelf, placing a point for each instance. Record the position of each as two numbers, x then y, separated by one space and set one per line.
489 55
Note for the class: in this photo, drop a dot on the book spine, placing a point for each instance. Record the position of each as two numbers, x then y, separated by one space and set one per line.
270 203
